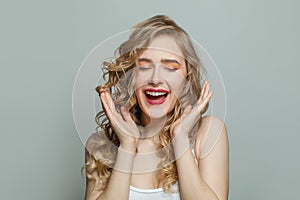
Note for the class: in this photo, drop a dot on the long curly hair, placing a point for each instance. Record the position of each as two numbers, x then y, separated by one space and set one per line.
120 83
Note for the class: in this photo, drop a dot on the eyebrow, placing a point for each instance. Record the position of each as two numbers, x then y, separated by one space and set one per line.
170 61
144 60
164 60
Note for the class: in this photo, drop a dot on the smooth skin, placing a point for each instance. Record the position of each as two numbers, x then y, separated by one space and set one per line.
205 179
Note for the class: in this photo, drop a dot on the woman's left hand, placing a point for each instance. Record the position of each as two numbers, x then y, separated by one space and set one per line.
191 115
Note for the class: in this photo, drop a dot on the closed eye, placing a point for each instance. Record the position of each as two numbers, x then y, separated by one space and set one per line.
144 66
171 64
171 68
144 63
168 64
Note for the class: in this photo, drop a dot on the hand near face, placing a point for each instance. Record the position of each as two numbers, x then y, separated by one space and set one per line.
122 124
191 115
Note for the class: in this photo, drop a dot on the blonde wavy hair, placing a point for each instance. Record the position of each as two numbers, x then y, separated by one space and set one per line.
120 84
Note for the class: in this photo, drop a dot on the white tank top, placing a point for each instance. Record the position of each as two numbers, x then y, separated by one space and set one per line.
152 194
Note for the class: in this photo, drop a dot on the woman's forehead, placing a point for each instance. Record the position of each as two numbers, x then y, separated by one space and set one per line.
163 46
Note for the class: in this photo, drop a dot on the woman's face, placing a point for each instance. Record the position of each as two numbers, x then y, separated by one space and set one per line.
160 77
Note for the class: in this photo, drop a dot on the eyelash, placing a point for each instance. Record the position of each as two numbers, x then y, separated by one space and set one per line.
171 69
143 68
146 68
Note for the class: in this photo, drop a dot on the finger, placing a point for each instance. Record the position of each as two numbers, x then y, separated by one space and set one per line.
204 94
105 106
105 100
115 114
103 88
126 114
102 99
204 89
203 104
109 101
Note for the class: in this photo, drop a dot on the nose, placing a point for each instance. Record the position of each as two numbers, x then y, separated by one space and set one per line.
155 76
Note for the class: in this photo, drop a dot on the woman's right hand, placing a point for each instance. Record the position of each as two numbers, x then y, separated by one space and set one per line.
124 127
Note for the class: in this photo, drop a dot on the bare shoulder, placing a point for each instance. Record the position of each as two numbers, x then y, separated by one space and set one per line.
209 124
213 162
213 120
211 130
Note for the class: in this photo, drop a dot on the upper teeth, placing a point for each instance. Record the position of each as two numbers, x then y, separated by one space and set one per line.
155 93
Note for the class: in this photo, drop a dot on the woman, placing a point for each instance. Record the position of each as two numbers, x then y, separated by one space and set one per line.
153 104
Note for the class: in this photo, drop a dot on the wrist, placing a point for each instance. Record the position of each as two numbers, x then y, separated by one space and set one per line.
131 148
180 139
124 161
179 133
180 144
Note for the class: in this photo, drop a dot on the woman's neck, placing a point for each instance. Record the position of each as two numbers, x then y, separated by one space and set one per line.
151 127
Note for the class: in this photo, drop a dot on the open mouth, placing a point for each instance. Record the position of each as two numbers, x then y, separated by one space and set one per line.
156 96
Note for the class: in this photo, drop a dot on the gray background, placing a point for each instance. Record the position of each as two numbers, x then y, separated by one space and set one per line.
254 43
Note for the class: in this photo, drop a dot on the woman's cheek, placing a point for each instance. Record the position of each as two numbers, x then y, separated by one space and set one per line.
176 83
142 78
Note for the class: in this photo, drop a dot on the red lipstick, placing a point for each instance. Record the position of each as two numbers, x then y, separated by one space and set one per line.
155 96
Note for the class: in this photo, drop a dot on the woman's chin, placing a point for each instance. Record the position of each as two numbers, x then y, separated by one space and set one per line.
157 112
